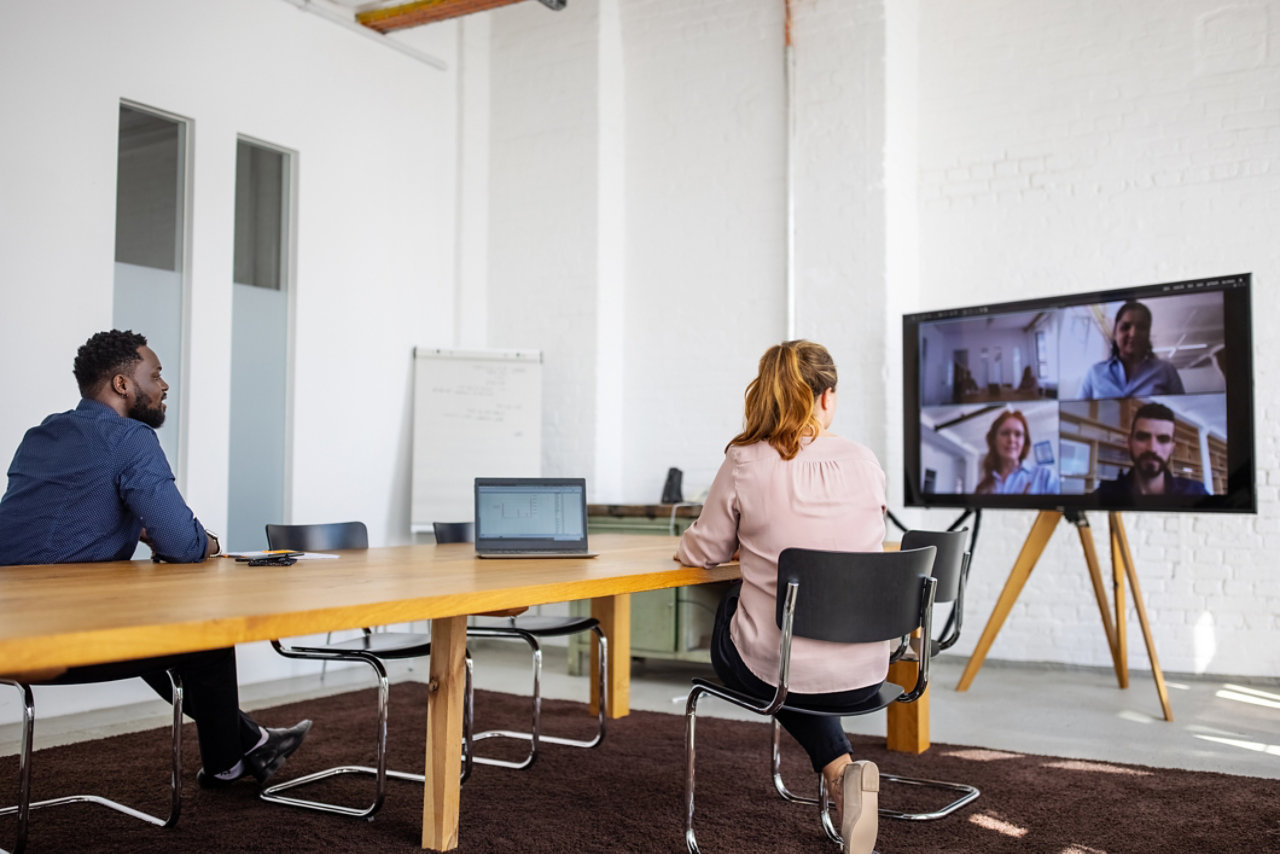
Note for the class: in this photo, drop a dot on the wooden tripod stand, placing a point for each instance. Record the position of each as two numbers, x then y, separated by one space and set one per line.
1121 567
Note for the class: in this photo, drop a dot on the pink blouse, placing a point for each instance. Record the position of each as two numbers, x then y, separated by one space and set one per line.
830 496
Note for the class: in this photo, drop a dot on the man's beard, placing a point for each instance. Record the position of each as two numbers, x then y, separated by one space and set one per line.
1151 466
142 410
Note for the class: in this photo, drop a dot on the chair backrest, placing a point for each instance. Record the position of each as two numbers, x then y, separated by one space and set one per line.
454 532
318 538
950 562
856 597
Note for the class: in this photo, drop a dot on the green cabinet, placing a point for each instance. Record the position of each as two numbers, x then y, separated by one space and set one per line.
674 623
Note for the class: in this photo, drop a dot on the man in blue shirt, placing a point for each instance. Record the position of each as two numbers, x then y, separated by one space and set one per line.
1151 446
88 485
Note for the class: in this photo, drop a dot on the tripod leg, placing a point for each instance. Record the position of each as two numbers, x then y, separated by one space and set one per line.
1141 608
1037 539
1095 575
1118 562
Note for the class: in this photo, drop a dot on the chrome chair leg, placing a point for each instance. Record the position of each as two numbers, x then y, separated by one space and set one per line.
24 806
775 761
822 802
690 728
380 773
535 736
967 793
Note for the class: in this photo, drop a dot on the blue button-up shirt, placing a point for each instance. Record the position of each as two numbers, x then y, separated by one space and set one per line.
82 486
1027 479
1153 376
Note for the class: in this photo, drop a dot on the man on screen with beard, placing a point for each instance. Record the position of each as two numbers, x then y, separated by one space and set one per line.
87 485
1151 445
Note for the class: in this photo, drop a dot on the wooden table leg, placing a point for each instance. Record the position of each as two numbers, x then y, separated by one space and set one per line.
614 614
446 690
908 723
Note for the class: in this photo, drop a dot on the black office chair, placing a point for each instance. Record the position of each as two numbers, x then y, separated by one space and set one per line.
950 571
530 630
24 806
842 597
372 648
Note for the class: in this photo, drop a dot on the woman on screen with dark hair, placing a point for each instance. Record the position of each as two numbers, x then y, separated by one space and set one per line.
1133 370
1005 470
788 481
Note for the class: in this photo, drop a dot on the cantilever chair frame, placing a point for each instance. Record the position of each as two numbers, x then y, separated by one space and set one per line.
529 630
951 571
530 636
371 648
24 806
906 569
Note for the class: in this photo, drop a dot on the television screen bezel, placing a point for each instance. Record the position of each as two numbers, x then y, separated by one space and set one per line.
1241 495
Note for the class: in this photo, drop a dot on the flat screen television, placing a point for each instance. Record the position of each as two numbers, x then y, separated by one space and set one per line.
1132 399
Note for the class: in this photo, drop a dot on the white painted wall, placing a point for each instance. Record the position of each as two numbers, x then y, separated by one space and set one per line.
376 142
705 238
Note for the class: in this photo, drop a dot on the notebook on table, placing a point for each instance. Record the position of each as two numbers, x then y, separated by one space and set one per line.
531 517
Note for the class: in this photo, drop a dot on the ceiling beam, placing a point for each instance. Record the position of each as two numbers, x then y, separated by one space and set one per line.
419 12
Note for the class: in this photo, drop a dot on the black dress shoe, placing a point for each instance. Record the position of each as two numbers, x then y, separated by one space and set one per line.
264 761
206 780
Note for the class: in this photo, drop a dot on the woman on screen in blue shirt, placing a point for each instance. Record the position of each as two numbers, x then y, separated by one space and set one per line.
1133 369
1005 470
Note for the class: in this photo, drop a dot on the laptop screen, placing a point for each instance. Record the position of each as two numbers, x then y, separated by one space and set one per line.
531 513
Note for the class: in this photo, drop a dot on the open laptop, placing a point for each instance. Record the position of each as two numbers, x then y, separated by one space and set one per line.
531 517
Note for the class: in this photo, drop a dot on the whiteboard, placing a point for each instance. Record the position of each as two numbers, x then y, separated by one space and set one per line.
476 413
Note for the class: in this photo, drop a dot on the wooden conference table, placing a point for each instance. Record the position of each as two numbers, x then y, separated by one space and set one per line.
65 615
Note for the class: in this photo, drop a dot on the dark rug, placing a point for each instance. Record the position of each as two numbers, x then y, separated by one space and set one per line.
627 795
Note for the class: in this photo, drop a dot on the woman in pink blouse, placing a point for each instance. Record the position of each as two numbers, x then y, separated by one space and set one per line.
788 481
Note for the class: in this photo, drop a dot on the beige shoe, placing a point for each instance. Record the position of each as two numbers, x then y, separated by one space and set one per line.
860 819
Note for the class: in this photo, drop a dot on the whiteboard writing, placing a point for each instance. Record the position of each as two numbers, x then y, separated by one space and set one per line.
477 413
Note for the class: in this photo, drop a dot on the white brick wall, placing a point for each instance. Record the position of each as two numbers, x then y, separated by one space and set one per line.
1078 146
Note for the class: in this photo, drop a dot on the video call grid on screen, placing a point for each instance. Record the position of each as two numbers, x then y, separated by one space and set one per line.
531 512
1049 371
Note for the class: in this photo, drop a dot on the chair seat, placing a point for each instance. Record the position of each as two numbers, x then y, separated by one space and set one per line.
539 627
885 697
381 644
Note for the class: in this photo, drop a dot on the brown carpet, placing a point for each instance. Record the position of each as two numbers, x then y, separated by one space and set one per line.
626 796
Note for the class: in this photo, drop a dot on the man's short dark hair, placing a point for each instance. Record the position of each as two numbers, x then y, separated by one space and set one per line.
103 356
1154 411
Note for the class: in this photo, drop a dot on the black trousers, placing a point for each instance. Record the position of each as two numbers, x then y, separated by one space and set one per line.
210 697
822 737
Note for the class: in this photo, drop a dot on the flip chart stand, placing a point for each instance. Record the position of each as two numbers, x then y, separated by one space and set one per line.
1121 568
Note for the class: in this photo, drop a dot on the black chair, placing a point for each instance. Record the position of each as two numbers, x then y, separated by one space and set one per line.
530 630
372 648
842 597
24 806
950 571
